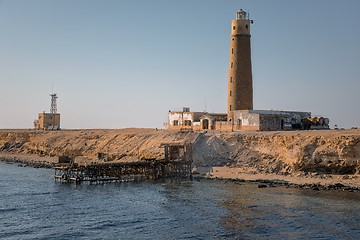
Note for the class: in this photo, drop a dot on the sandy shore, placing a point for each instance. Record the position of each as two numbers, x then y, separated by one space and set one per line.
291 157
29 159
299 179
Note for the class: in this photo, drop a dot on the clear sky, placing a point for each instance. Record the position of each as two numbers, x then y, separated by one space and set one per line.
117 63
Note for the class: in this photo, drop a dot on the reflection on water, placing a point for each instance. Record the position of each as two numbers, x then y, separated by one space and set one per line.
290 213
33 206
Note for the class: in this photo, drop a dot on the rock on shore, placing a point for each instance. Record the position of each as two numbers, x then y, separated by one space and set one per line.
327 151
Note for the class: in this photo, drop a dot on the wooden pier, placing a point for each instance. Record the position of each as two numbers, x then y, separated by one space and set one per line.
177 164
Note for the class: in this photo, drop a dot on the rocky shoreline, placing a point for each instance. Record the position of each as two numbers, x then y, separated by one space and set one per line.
318 160
350 183
263 183
260 180
26 162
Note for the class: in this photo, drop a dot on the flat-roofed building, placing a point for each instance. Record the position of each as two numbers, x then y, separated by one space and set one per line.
49 121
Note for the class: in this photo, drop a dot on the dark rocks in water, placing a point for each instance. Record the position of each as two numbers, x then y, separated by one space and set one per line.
339 185
315 187
336 186
237 180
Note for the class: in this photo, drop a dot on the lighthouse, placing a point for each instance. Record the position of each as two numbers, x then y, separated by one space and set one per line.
240 113
240 87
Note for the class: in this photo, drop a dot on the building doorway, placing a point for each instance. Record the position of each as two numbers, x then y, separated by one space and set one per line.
205 124
238 124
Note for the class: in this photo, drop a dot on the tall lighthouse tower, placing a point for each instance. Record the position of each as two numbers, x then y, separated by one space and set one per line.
240 88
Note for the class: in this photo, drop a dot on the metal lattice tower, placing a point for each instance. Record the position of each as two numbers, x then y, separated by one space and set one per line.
53 108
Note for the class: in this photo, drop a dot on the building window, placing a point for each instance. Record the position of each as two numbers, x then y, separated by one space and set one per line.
231 79
230 93
187 122
233 39
230 108
232 50
232 64
233 27
247 26
175 123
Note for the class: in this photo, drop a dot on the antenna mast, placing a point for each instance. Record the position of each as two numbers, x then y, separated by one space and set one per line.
53 108
205 105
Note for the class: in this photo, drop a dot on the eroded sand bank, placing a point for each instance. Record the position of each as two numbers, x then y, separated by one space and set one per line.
300 157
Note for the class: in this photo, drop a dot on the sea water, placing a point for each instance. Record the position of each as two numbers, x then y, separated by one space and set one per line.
34 206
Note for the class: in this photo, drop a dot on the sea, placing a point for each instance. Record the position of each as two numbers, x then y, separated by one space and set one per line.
34 206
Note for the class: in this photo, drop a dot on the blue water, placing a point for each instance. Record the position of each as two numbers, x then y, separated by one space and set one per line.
33 206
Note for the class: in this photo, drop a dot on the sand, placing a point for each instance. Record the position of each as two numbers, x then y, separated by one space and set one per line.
352 181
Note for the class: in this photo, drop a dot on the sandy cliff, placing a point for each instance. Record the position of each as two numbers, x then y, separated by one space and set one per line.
331 151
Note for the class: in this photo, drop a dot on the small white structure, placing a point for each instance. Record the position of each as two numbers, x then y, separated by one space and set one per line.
264 120
178 120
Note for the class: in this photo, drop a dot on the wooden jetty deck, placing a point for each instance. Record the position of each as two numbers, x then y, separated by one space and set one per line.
177 164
